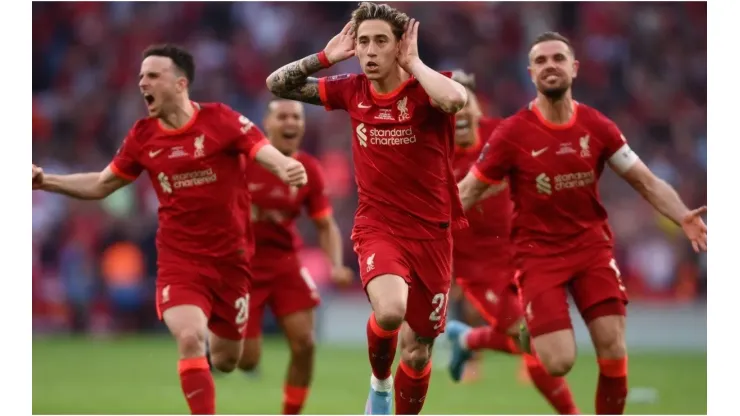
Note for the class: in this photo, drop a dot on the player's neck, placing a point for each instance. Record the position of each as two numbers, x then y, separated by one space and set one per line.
180 115
391 82
556 111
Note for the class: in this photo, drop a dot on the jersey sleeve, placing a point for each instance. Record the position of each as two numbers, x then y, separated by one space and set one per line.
126 163
317 202
247 138
616 149
337 90
497 157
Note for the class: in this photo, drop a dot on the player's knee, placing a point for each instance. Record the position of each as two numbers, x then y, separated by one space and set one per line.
610 344
248 362
225 363
557 364
390 313
303 346
416 356
191 342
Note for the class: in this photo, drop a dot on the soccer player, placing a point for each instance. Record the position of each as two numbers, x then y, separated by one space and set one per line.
483 268
194 156
553 153
278 278
402 115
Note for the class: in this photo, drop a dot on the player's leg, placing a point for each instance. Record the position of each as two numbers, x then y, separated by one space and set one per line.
299 330
293 303
601 298
184 308
228 322
259 296
383 271
425 320
388 295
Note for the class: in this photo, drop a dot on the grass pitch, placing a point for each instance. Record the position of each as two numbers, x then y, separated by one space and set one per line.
139 375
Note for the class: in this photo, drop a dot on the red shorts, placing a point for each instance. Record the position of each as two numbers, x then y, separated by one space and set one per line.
286 290
219 288
591 277
496 299
425 265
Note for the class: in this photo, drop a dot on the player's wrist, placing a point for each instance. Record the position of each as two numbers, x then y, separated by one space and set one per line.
414 66
324 60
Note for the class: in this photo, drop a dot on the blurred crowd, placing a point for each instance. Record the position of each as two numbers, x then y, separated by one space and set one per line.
642 64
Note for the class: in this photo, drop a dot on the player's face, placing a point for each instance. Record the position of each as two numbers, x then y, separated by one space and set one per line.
467 121
160 83
376 48
552 68
285 125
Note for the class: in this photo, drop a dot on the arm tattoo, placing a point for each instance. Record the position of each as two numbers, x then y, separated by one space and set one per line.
293 82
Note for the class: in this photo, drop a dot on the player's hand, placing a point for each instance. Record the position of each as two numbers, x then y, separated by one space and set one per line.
695 229
295 173
408 49
342 275
341 46
37 177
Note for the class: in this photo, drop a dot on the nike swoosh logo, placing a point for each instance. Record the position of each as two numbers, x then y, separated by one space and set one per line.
362 105
191 394
154 154
536 153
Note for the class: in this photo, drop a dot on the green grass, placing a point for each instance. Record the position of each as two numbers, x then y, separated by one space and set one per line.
138 375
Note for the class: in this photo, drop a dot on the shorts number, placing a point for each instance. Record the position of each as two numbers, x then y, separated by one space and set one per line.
439 301
242 305
613 265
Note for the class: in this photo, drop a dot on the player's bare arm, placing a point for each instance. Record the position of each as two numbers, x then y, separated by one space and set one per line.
448 95
494 189
665 200
87 186
293 81
472 190
330 241
286 168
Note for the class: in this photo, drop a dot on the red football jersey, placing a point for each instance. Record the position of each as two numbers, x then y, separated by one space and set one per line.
197 172
402 153
553 173
276 206
487 239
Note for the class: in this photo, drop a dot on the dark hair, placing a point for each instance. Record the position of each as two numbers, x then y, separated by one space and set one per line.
372 11
548 36
181 58
465 79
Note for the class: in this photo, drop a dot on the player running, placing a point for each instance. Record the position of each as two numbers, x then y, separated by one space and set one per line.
553 152
278 278
194 156
402 115
483 268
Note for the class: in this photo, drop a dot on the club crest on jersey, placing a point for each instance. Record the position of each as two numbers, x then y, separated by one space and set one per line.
403 111
585 151
199 147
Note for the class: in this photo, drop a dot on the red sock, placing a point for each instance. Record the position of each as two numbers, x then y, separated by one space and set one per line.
197 385
381 345
611 392
487 338
293 399
555 389
411 388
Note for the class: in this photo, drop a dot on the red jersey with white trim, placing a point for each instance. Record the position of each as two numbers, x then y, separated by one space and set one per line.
553 173
198 174
276 206
402 150
487 239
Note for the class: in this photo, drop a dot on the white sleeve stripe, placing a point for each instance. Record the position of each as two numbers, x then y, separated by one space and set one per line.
623 159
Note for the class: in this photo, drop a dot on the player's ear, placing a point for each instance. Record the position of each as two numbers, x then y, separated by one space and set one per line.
182 84
576 65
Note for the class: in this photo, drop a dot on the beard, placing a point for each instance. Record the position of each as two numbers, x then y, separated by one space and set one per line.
555 93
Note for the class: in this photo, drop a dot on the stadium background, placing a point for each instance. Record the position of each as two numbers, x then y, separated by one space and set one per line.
642 64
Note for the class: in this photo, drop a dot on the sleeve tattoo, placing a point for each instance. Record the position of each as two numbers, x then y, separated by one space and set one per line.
292 81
